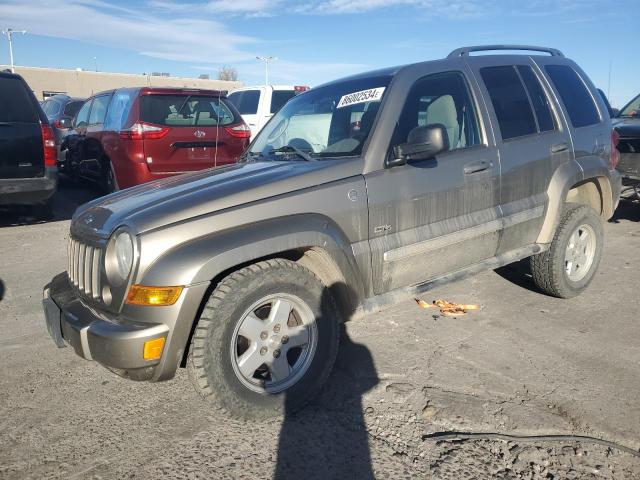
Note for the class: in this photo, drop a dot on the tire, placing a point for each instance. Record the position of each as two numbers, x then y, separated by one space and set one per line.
213 363
43 211
550 268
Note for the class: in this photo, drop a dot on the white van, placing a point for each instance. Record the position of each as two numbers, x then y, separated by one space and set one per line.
258 104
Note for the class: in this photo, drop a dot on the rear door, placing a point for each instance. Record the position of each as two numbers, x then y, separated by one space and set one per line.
92 143
532 142
185 131
21 150
247 102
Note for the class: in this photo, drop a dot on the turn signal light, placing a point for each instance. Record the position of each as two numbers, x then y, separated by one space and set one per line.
153 296
153 349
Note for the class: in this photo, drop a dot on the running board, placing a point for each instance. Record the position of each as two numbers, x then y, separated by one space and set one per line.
378 302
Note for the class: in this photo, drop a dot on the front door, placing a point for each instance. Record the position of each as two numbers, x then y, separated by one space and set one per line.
431 217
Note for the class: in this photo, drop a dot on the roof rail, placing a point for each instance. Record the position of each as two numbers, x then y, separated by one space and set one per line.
464 51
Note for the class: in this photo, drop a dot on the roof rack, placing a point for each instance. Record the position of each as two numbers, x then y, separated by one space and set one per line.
464 51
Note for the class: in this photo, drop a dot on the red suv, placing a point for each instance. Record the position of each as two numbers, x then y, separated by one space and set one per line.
130 136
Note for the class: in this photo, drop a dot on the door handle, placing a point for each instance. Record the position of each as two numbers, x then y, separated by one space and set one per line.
559 147
476 167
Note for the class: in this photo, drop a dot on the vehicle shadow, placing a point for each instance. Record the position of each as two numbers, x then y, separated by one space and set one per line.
519 273
2 289
69 196
627 210
328 440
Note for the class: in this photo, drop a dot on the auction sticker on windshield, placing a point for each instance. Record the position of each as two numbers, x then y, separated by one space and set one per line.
363 96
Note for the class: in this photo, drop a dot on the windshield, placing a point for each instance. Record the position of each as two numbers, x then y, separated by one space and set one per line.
632 109
331 121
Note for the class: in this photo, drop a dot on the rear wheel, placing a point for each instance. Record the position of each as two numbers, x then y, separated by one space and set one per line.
266 340
567 268
109 181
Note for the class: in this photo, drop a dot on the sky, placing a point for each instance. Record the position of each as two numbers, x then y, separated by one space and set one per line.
316 40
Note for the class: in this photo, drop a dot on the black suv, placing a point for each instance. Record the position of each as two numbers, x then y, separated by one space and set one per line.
28 172
627 125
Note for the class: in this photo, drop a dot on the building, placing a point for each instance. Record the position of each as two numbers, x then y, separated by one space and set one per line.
46 82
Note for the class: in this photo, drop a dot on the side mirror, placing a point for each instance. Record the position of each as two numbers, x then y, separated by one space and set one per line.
65 122
423 142
614 112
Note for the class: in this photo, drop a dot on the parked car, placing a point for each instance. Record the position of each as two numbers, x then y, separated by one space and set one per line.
60 110
258 104
244 273
28 173
627 125
130 136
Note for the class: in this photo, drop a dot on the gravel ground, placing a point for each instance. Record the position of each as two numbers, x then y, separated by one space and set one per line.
525 365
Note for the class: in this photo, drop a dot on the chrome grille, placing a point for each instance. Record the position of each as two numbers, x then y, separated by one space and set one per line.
84 267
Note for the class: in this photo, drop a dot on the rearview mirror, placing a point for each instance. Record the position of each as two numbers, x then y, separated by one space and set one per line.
423 142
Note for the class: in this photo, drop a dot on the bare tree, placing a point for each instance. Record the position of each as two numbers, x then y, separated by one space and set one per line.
228 73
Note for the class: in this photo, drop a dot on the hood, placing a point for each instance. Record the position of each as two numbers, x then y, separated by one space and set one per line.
627 127
170 200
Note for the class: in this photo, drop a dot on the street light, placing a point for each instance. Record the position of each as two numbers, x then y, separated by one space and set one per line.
95 63
266 61
9 33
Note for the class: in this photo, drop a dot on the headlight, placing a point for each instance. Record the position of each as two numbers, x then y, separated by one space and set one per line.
119 258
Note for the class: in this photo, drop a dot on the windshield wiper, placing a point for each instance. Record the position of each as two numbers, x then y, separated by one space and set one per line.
296 150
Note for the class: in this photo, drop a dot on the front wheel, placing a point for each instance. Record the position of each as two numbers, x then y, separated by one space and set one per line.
266 340
570 263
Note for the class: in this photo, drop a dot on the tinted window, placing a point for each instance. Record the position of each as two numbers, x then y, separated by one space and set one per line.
538 98
99 110
119 109
83 115
574 94
510 101
279 98
16 104
72 108
441 99
184 110
51 107
246 101
631 109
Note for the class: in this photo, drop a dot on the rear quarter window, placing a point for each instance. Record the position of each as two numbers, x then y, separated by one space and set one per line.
574 94
16 103
246 101
119 109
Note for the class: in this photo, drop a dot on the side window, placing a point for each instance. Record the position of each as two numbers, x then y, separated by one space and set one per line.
538 99
279 98
574 94
444 99
510 101
72 108
246 101
99 110
118 110
83 115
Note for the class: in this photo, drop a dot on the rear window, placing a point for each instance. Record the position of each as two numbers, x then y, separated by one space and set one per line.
16 104
246 101
510 101
185 110
279 98
51 107
574 94
72 108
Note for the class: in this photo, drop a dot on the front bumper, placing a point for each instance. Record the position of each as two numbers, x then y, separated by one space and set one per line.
115 342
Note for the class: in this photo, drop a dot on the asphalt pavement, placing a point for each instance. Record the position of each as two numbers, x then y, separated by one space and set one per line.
550 386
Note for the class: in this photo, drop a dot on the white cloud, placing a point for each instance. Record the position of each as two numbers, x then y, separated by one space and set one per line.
179 38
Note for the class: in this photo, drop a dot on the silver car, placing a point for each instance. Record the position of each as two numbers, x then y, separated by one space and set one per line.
356 194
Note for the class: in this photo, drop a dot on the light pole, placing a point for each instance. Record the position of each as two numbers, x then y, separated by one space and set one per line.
95 64
9 33
266 61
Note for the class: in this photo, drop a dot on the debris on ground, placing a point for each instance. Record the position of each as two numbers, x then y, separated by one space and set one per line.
448 309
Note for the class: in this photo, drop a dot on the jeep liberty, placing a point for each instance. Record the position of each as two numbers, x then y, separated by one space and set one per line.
356 194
